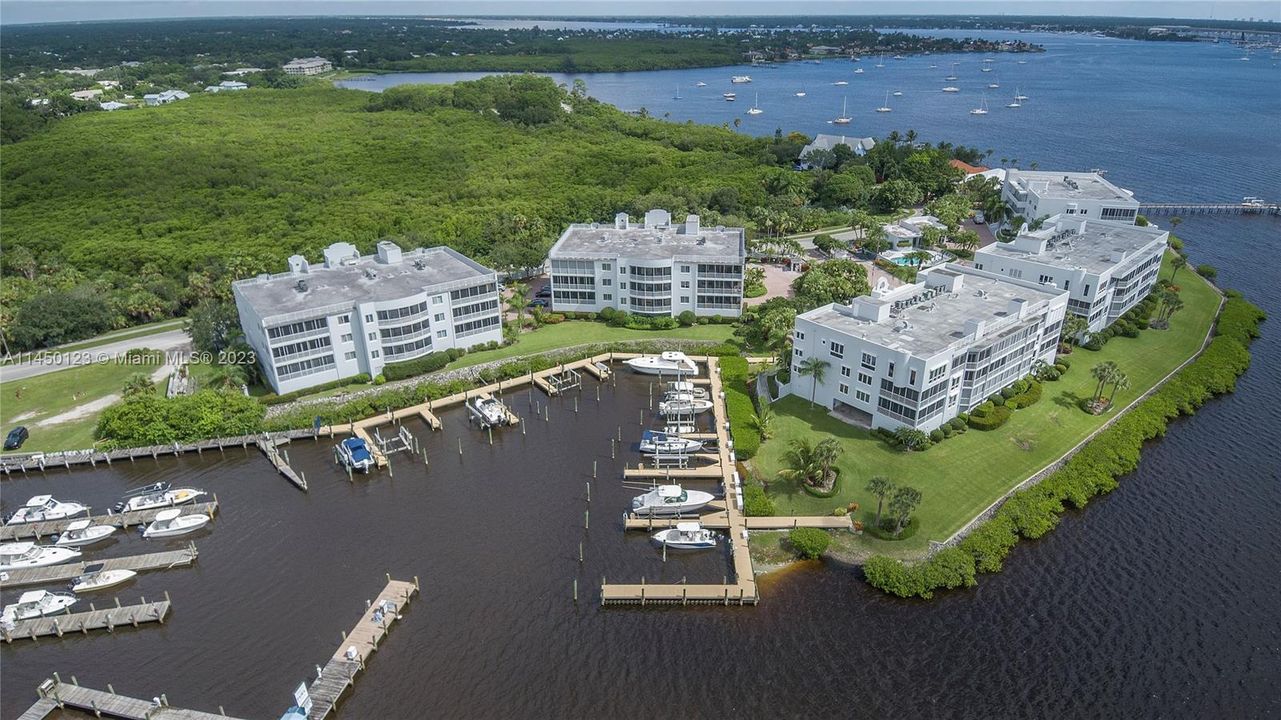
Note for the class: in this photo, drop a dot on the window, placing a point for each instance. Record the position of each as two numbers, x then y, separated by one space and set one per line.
344 319
476 326
685 299
1016 274
346 337
374 354
684 268
622 285
1044 279
438 299
865 378
607 282
937 372
978 266
297 328
911 378
604 266
863 396
798 352
622 269
442 333
837 350
608 296
438 317
845 389
373 336
351 355
1087 290
473 291
369 318
845 371
799 335
684 284
891 370
402 312
1067 284
869 361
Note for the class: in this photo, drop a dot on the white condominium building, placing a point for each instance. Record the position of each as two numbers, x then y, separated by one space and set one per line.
652 269
356 313
919 354
307 66
1106 267
1034 194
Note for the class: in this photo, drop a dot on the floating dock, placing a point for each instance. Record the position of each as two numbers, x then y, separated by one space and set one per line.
138 563
82 622
340 672
126 520
55 694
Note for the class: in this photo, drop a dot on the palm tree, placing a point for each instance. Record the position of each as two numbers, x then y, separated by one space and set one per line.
880 486
227 376
910 137
763 422
1075 328
138 384
893 137
802 463
826 453
517 302
816 369
920 256
1104 373
1178 263
1175 222
905 500
1120 381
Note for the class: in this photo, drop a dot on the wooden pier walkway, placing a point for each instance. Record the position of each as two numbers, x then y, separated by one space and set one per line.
43 461
1194 208
340 672
94 619
126 520
710 472
271 448
55 694
721 521
138 563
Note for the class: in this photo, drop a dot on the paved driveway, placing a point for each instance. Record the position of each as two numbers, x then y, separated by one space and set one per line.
52 360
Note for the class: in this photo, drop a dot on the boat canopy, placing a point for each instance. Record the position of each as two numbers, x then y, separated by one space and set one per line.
670 491
79 525
39 500
358 449
32 596
18 548
93 569
688 527
168 515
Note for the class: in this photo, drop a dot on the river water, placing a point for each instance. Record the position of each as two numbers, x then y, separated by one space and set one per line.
1158 600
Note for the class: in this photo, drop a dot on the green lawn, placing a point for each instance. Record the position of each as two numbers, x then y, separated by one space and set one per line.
966 473
31 400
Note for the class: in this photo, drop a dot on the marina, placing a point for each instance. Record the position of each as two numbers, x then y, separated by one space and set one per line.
111 519
138 563
108 619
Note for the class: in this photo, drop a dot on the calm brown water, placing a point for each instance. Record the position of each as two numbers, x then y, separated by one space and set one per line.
1157 601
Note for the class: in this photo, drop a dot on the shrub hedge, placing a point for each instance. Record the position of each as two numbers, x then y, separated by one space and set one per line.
756 502
1093 471
274 399
738 404
809 543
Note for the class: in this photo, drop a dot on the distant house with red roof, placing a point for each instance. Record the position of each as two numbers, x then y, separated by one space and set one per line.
967 168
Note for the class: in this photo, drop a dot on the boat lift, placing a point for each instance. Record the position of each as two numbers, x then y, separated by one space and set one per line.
567 380
403 440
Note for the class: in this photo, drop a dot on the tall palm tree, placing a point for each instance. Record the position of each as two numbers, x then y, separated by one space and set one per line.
763 422
227 376
920 257
1104 373
826 453
910 137
138 384
801 465
905 500
881 487
1178 263
517 302
817 370
1120 381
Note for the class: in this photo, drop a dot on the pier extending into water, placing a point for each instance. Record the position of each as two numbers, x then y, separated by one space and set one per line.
1241 208
107 619
139 563
37 530
55 694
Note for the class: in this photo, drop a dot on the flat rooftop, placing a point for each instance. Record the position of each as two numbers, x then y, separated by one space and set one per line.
929 326
1066 185
601 241
360 280
1096 246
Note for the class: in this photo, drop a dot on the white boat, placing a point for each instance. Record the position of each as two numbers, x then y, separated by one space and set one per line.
858 71
881 63
354 453
488 410
689 388
677 429
163 498
658 443
951 77
729 97
1018 96
95 578
1023 62
670 500
169 523
981 109
841 82
36 603
897 93
800 93
700 83
684 406
740 79
886 107
755 109
899 57
844 118
83 532
20 555
43 507
671 362
1015 103
687 536
678 93
951 89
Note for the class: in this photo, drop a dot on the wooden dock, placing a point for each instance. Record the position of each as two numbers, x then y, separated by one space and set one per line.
125 520
271 448
1199 208
82 622
710 472
55 694
68 571
362 641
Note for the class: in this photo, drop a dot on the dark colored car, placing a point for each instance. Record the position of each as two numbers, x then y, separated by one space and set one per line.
539 302
544 292
15 438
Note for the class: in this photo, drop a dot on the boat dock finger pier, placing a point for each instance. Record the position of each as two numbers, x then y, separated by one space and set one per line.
138 563
107 619
55 694
37 530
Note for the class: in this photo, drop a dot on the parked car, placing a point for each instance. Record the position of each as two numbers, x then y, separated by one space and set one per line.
539 303
544 292
978 217
16 437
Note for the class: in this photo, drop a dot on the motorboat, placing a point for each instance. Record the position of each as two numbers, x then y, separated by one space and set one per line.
687 536
951 89
684 406
740 79
35 604
841 82
165 497
844 118
670 500
1023 62
858 71
488 410
171 522
729 97
20 555
83 532
672 362
899 57
700 83
897 93
354 453
683 386
660 443
43 507
95 577
800 93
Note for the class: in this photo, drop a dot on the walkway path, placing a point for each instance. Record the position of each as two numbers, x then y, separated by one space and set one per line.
54 360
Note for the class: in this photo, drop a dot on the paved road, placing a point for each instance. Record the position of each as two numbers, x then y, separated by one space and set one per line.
53 360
